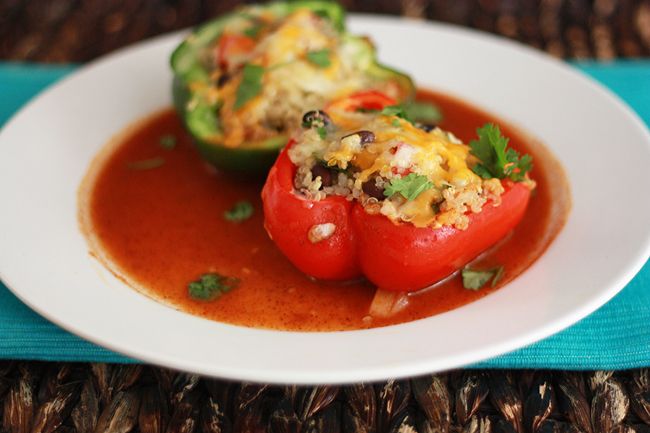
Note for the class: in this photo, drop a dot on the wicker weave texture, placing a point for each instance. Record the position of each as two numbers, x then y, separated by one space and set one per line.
86 398
80 30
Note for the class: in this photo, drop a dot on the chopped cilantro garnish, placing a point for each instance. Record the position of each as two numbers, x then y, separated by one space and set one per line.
395 123
524 165
394 110
475 280
211 286
496 159
421 112
409 186
167 141
241 211
251 84
322 132
253 30
414 112
146 164
320 58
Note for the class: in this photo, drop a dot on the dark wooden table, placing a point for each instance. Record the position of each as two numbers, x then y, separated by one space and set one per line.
80 30
52 397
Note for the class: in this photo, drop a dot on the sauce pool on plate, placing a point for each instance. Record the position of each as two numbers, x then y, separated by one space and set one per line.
153 212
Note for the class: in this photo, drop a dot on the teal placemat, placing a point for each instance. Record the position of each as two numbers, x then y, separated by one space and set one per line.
617 336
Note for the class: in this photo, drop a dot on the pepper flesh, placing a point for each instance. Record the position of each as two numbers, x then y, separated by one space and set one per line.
365 99
288 218
201 117
393 256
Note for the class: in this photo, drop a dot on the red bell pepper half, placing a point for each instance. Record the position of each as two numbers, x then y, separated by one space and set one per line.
394 256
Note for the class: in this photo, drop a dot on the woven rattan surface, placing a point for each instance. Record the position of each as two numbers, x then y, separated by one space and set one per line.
38 398
80 30
84 398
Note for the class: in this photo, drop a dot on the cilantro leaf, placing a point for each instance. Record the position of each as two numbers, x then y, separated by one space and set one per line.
496 158
211 286
253 30
146 164
414 112
251 84
524 165
422 112
320 58
482 171
409 186
167 141
241 211
475 279
322 132
394 110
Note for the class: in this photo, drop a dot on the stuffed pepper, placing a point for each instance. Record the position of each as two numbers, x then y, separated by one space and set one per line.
364 190
243 81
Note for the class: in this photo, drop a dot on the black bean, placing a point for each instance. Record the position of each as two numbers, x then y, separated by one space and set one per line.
364 136
223 79
315 118
370 187
427 127
324 173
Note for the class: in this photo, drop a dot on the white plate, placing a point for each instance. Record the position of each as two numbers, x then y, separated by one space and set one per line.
46 149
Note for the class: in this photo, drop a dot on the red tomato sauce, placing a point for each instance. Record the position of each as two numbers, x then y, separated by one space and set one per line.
159 225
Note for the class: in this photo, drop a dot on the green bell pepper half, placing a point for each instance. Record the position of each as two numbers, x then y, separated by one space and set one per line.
201 117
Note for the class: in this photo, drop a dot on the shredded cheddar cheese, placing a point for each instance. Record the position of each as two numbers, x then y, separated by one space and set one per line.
446 188
291 84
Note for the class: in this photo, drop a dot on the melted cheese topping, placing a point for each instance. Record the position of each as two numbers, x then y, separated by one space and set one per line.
398 149
291 84
296 35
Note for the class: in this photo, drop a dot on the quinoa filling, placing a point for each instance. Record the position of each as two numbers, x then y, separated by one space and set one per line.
267 71
405 171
